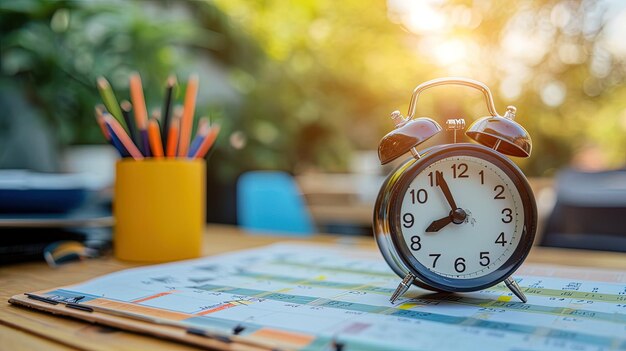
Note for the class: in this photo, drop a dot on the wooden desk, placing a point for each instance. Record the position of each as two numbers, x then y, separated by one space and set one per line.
23 329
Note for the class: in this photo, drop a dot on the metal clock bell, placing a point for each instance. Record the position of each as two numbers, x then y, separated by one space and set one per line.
456 217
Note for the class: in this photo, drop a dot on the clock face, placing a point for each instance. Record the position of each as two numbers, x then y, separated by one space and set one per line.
461 217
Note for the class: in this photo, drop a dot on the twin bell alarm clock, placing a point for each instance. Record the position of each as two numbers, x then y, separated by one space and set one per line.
455 217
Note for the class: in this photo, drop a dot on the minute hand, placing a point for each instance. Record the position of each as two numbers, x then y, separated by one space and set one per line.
445 189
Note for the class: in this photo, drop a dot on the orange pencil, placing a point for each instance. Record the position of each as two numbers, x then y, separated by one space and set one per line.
141 113
120 133
99 109
188 111
207 142
172 137
139 103
155 138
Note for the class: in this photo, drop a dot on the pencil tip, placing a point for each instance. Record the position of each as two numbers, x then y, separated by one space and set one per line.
126 105
178 111
135 76
156 114
171 80
102 82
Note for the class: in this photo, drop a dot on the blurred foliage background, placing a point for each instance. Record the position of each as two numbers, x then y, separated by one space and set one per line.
302 85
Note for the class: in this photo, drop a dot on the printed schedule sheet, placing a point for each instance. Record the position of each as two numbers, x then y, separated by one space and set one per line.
317 297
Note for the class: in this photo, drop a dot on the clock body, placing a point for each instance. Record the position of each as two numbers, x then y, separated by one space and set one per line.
475 251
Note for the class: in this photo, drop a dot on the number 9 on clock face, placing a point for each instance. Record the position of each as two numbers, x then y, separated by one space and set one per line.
463 217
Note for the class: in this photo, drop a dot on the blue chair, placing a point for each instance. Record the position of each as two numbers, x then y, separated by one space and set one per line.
270 201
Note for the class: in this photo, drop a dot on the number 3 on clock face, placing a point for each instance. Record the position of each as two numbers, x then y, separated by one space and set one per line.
462 217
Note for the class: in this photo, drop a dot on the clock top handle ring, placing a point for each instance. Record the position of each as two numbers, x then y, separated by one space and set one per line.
452 81
500 133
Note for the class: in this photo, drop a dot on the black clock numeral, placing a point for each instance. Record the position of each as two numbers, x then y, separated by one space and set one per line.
461 168
500 240
408 219
482 177
459 265
508 215
436 256
499 195
431 177
416 244
420 196
484 258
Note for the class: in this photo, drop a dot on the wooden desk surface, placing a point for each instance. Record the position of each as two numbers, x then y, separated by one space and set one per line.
23 329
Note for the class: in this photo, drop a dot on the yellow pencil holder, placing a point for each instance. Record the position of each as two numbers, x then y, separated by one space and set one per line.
159 209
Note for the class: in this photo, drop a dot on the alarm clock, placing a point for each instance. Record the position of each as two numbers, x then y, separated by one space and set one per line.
456 217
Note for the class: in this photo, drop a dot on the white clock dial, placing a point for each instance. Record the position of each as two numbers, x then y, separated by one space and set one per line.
487 226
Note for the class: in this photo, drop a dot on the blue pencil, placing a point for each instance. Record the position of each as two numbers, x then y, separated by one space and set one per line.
117 143
195 144
203 130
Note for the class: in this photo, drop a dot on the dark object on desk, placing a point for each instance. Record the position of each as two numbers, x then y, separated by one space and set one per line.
40 200
590 211
27 244
23 191
22 244
23 236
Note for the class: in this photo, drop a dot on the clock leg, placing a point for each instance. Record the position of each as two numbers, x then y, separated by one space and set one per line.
405 284
515 289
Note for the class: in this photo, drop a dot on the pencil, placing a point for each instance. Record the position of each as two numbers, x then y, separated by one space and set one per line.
103 128
208 141
172 137
155 138
178 112
132 130
115 141
119 132
188 111
156 114
203 130
141 114
108 97
167 108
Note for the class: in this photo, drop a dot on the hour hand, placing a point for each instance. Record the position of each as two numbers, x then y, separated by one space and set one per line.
438 224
